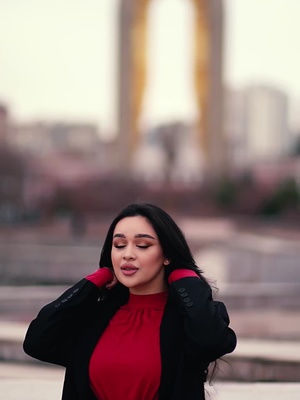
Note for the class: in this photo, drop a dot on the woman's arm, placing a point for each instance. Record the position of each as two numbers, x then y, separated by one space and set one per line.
206 321
51 334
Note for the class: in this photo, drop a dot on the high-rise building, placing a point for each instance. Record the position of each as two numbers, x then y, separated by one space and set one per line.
266 123
256 125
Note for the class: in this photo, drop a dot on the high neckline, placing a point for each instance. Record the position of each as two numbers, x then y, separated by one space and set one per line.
155 300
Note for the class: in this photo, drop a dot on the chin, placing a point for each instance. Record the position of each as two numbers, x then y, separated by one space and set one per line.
126 282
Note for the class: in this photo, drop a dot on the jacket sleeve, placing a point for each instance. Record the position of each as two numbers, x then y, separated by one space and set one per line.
51 334
206 322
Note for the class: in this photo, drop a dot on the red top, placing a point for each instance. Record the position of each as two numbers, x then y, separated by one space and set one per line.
126 361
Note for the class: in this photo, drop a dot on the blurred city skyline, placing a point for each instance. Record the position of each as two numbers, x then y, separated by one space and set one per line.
59 58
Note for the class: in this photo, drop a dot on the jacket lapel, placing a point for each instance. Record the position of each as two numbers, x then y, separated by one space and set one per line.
171 343
87 341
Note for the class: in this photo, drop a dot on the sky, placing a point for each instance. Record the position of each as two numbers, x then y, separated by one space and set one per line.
58 57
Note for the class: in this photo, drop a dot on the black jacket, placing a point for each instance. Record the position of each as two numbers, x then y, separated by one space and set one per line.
194 332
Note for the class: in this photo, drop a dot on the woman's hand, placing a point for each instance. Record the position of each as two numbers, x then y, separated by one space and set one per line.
103 277
112 283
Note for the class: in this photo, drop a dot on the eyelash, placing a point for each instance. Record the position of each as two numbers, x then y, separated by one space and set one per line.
121 246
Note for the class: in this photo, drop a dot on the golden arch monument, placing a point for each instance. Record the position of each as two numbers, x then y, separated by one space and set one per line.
207 79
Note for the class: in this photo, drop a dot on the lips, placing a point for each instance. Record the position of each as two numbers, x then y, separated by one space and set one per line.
128 269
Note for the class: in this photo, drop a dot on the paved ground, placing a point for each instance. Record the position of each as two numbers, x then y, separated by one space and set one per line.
44 383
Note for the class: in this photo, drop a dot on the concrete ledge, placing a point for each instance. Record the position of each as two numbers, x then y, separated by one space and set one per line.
262 361
252 361
35 263
258 369
271 350
23 302
260 295
11 339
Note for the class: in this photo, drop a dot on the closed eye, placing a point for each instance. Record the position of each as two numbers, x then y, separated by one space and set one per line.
119 246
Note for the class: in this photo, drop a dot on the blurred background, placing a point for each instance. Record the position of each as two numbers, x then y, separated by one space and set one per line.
190 104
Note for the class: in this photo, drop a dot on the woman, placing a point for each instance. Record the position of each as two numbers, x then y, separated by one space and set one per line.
143 326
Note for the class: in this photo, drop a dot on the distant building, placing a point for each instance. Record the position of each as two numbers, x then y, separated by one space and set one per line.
3 124
295 114
234 126
12 170
42 138
266 123
75 138
54 155
31 138
257 125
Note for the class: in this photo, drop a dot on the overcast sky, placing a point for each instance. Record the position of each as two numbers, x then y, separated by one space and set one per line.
58 57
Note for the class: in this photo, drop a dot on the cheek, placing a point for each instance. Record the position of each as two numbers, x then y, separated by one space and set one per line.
114 262
114 257
156 258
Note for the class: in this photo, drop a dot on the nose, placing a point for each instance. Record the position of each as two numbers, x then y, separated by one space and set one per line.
128 253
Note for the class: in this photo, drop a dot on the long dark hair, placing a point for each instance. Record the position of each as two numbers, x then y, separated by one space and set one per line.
170 236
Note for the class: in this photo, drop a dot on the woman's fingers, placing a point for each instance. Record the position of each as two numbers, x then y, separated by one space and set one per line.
112 283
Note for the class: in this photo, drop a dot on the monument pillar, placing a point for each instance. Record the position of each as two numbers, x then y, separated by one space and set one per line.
208 81
132 76
209 85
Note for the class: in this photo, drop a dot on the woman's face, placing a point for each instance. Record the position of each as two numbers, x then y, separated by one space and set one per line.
137 256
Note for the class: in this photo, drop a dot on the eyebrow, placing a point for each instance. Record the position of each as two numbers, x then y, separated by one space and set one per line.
137 236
